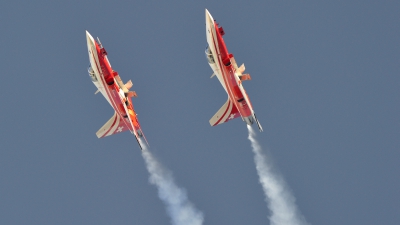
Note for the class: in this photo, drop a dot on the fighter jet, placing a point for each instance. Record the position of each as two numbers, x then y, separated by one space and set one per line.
109 83
230 75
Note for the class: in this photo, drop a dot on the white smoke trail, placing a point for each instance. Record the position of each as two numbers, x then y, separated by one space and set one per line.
279 199
179 208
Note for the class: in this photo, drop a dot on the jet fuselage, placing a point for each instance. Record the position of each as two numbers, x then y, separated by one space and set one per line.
223 65
111 87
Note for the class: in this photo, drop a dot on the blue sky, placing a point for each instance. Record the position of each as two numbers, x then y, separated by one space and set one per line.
325 88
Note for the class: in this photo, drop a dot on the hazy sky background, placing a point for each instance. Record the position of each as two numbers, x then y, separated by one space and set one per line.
325 88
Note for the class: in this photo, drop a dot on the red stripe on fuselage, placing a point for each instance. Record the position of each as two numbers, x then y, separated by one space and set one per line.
107 88
225 72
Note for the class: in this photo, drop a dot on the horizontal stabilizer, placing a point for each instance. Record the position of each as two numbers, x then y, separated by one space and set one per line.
227 112
97 91
119 82
245 77
238 70
233 61
212 75
241 69
131 94
129 84
113 126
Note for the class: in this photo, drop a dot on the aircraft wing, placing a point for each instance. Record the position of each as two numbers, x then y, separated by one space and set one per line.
227 112
113 126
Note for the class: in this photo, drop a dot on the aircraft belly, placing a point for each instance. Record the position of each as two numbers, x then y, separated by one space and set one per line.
237 95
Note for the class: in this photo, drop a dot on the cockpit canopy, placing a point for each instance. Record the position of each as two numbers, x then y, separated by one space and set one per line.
91 73
209 55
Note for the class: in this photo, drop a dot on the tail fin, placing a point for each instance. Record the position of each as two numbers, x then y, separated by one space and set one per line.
227 112
113 126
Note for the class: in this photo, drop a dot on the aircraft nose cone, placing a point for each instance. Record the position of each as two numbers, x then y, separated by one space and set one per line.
209 20
88 36
208 16
89 39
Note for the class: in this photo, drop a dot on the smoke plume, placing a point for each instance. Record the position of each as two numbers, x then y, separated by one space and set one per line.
279 199
179 208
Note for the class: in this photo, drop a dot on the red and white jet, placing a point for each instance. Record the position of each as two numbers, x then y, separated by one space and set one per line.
230 75
114 90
